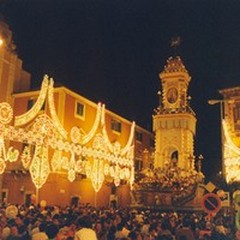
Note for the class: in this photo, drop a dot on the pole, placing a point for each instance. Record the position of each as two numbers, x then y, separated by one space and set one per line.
222 138
221 102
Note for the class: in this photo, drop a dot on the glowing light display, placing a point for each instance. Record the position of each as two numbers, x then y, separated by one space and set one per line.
92 153
231 156
11 154
39 168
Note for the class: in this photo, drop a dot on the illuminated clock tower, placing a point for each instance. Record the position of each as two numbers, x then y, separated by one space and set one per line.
174 123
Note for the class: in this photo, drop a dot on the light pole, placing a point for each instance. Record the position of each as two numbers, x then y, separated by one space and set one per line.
221 103
200 160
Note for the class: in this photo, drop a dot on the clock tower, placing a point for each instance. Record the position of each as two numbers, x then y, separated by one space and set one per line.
174 123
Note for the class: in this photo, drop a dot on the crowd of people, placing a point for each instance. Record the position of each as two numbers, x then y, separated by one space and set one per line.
85 222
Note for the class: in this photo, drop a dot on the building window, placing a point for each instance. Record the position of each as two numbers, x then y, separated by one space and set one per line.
30 104
27 198
237 112
4 196
139 136
79 110
116 125
32 101
138 165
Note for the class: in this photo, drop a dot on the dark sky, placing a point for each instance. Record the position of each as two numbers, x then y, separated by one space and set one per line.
112 51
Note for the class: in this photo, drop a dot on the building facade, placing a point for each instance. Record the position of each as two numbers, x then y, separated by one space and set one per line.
13 78
174 123
230 116
65 110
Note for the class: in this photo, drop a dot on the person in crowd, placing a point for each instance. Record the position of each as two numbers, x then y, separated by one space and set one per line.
85 231
122 230
7 228
52 231
237 235
14 234
166 230
86 222
186 230
204 230
111 232
40 234
23 232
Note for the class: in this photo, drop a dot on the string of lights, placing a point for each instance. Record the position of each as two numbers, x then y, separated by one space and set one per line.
47 148
231 156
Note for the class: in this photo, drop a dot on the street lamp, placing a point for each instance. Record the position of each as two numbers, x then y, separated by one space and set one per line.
221 103
1 41
2 46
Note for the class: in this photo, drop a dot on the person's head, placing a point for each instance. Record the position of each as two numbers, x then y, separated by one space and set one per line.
112 230
182 238
14 230
23 231
165 237
19 220
153 229
42 226
165 225
106 223
26 221
207 237
84 222
186 221
51 230
98 226
135 235
11 222
237 234
120 226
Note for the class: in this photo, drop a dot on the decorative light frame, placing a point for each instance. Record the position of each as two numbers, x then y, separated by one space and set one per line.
92 154
231 156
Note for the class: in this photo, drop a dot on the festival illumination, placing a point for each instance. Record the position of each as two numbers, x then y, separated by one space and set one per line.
231 156
48 148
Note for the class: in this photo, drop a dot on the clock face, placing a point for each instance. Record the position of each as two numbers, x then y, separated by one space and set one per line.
172 95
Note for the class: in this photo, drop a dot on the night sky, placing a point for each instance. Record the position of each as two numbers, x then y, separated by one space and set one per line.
112 51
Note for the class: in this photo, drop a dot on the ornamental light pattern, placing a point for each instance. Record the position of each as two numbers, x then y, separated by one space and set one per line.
231 156
50 148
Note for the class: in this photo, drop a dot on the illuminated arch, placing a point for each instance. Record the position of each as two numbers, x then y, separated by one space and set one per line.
231 156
